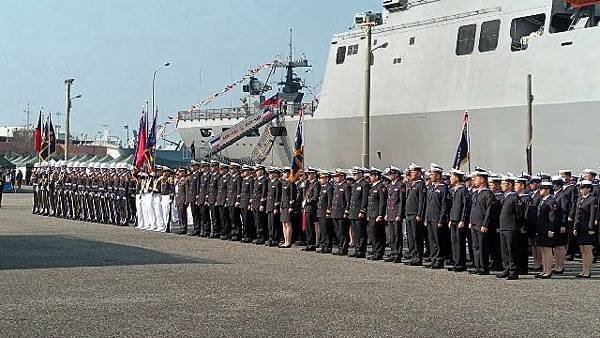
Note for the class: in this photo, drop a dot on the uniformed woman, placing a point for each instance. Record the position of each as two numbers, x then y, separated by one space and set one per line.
546 220
288 196
585 226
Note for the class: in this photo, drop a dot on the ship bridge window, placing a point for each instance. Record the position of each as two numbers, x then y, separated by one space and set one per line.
466 39
206 132
488 38
353 50
341 55
524 29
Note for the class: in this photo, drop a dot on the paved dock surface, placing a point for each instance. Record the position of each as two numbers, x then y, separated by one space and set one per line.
62 278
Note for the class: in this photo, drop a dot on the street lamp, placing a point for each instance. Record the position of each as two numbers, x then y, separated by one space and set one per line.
68 104
367 99
154 79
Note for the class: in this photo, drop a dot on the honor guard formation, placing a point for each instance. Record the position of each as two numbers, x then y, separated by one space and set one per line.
477 222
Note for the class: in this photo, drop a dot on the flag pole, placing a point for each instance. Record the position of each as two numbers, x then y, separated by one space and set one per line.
469 140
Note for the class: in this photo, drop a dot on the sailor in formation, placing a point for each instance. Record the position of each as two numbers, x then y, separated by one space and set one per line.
112 193
478 222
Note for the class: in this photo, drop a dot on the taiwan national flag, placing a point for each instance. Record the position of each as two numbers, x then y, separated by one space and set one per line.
274 102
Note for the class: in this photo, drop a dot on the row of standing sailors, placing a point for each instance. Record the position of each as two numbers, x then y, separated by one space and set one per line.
327 212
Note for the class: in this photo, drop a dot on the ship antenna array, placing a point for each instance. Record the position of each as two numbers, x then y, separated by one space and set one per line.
420 2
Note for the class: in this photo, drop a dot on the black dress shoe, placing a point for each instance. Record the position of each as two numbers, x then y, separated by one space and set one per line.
450 269
460 269
326 250
389 259
181 232
374 258
309 248
543 276
512 277
483 272
215 236
427 266
204 235
259 242
558 272
235 238
502 275
582 276
246 240
437 266
319 250
415 263
300 243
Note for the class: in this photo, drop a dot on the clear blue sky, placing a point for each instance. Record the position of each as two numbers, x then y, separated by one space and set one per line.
112 46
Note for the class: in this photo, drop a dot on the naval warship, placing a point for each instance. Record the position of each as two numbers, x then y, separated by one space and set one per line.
431 61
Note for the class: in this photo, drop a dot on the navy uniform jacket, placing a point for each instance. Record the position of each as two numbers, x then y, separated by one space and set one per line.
341 200
511 212
586 214
234 190
180 196
461 204
324 202
396 201
547 214
531 209
213 188
259 194
222 190
288 194
482 209
273 195
377 200
416 198
563 202
359 199
311 195
203 184
573 197
437 204
246 193
192 187
299 196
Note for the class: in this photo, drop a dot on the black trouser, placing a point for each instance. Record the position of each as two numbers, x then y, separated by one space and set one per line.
414 232
341 230
215 220
182 213
195 217
247 223
225 221
274 224
509 243
131 210
470 242
360 241
235 221
260 223
378 241
495 252
325 240
458 239
523 253
480 248
298 233
204 220
395 237
310 219
434 233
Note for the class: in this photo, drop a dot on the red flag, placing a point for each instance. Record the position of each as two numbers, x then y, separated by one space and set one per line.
37 135
272 102
141 142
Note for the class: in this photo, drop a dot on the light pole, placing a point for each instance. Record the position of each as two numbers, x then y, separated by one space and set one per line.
126 127
367 100
68 99
154 80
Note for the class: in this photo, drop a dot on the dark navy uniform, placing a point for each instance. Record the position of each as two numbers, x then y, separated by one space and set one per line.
394 216
272 208
376 217
340 204
191 197
202 202
324 216
481 217
211 199
181 203
259 200
222 208
546 222
311 197
232 202
511 218
357 213
436 217
416 198
460 211
246 208
585 220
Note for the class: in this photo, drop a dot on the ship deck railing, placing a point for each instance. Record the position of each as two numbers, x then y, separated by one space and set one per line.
236 112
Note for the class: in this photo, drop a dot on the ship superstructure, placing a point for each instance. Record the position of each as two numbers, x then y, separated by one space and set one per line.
445 57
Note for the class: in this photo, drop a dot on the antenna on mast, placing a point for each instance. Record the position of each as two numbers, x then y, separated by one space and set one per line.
291 45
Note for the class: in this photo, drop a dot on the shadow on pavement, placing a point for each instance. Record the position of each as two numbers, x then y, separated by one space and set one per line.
39 252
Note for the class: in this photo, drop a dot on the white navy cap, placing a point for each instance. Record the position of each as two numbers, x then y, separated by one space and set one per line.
585 184
413 167
546 185
375 171
394 170
589 171
436 168
565 171
557 179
